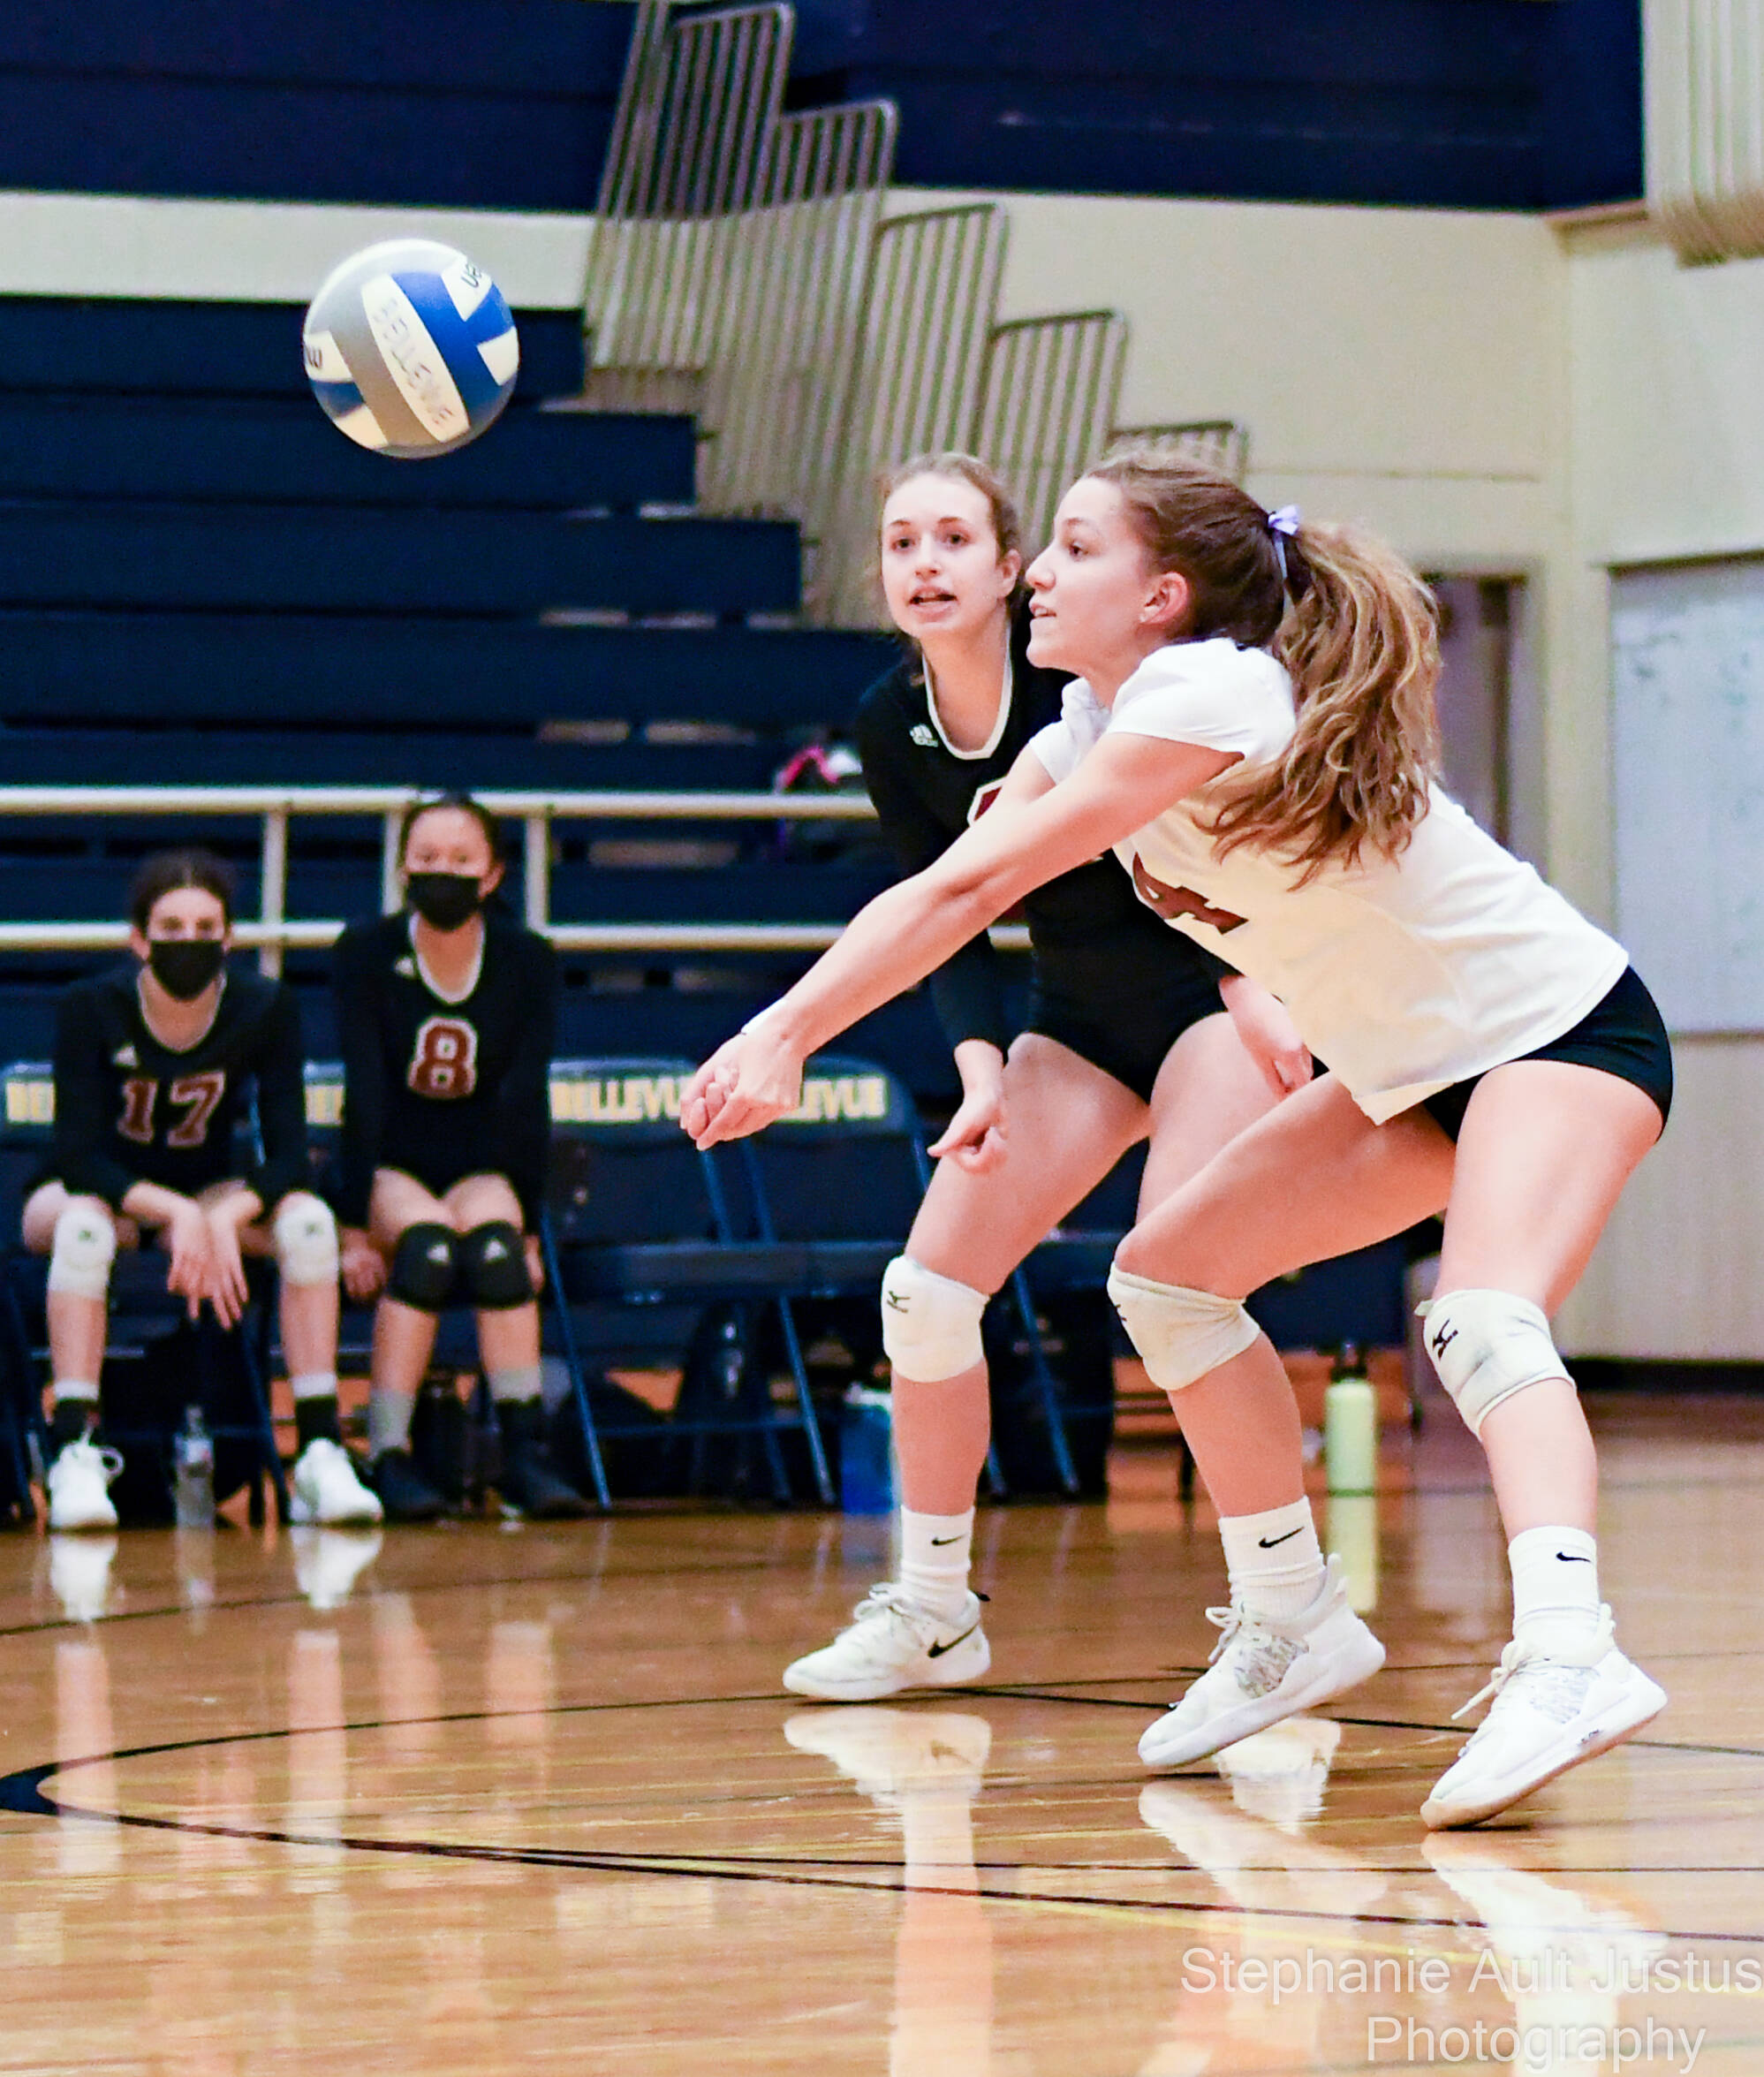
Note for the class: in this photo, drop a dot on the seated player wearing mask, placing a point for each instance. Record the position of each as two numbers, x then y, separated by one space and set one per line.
446 1014
153 1061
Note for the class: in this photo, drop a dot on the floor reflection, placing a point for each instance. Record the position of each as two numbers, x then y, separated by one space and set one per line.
925 1768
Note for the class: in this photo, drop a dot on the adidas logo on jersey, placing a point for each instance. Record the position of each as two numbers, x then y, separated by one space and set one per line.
125 1057
924 736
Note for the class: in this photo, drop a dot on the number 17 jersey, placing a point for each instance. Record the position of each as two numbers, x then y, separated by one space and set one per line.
130 1110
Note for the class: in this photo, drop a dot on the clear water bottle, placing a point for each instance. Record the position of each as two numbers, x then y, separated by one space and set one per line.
193 1463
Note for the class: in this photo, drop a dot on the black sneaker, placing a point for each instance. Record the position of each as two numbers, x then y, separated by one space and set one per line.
527 1482
405 1493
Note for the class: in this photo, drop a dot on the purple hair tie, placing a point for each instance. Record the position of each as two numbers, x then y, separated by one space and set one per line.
1282 526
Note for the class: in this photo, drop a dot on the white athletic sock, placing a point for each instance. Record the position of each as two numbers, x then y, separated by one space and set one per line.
519 1382
934 1560
315 1384
389 1419
1555 1586
1274 1559
73 1387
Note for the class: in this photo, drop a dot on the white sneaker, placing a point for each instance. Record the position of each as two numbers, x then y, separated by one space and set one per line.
328 1562
891 1647
1549 1714
80 1573
326 1488
1263 1669
80 1487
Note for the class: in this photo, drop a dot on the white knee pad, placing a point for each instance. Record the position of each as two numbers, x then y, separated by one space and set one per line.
1180 1334
1486 1345
85 1247
930 1323
305 1240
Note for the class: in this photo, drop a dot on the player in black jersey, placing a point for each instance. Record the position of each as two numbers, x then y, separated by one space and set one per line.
1125 1041
154 1066
446 1013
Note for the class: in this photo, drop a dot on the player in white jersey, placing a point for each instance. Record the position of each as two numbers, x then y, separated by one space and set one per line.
1255 737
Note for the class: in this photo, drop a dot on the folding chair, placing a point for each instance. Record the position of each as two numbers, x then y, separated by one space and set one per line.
843 1176
638 1243
139 1303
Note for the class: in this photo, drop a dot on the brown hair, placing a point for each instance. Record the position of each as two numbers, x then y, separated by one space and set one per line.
166 871
1007 524
1357 630
467 805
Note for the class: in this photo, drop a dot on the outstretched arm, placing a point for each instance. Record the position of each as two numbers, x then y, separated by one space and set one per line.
912 927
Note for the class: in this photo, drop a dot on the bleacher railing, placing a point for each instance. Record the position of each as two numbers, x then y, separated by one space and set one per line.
273 931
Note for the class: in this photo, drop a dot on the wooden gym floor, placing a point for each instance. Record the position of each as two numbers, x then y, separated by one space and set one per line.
532 1799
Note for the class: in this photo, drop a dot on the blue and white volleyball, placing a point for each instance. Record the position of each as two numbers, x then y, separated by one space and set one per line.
411 349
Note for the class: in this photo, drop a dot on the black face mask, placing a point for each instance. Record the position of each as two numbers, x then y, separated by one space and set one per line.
184 967
444 899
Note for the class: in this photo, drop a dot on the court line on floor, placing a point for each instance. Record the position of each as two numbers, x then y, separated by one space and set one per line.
22 1793
729 1867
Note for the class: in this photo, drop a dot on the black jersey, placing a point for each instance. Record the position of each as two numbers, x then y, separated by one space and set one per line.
129 1109
443 1089
926 793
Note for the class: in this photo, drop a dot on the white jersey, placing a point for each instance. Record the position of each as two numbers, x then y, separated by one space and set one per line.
1403 975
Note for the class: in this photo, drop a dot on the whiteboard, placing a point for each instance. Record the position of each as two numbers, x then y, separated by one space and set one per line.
1687 658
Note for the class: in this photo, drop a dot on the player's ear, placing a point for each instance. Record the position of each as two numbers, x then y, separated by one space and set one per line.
1167 601
138 944
493 879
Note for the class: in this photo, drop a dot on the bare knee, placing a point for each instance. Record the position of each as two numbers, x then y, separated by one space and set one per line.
481 1200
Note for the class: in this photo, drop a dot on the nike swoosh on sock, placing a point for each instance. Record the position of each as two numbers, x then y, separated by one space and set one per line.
1268 1543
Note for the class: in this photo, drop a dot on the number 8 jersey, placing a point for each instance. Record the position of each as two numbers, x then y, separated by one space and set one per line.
129 1109
441 1088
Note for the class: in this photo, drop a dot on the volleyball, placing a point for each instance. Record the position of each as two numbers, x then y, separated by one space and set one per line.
411 349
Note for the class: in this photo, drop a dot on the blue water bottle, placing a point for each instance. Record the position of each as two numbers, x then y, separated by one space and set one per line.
866 1453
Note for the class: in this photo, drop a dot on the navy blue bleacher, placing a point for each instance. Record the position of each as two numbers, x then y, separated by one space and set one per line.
278 450
1507 104
368 671
132 346
361 559
439 103
202 582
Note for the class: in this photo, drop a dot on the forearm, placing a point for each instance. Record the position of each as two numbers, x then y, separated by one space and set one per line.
242 1203
980 1065
894 940
152 1204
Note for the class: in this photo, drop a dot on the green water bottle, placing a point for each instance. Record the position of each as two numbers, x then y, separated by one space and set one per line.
1351 1425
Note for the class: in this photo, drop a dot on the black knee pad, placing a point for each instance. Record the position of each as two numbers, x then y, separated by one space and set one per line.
425 1267
493 1267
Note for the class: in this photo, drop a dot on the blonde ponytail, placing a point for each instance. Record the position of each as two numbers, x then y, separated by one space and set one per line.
1355 627
1361 645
